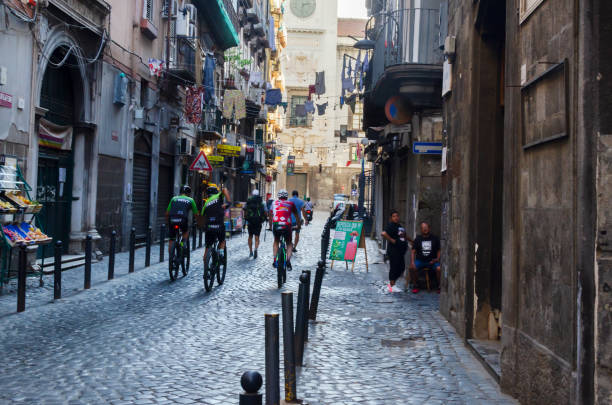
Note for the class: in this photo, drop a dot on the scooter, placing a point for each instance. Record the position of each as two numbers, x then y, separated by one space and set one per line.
308 216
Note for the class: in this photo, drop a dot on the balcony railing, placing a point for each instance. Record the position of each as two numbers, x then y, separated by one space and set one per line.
407 36
182 62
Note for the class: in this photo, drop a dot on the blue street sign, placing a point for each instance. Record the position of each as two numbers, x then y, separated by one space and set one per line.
427 148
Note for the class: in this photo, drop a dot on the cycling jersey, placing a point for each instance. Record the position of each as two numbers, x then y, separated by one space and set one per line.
213 210
281 214
180 206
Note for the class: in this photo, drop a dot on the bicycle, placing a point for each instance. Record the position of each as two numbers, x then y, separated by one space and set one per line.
281 263
214 266
179 257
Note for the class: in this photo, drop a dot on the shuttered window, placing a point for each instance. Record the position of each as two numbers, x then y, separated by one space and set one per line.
528 7
147 10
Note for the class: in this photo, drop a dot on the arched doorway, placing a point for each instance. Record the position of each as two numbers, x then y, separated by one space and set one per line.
55 157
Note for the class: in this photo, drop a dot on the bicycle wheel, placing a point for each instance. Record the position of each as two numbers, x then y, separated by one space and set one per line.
280 267
186 259
174 261
221 267
209 274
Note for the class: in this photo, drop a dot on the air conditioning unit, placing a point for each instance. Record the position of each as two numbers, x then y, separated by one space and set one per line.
193 13
182 23
173 9
185 146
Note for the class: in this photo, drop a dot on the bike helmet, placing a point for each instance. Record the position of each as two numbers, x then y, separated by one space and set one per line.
212 188
186 190
307 198
283 194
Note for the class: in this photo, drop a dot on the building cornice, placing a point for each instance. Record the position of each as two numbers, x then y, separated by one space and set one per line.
306 30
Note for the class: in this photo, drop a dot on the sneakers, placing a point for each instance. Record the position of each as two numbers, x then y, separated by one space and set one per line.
415 290
396 289
251 254
289 268
294 250
255 254
274 264
389 287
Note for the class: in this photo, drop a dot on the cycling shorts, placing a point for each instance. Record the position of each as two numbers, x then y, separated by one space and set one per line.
283 233
181 222
214 234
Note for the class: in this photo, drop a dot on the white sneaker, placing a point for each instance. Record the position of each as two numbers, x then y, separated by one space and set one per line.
396 289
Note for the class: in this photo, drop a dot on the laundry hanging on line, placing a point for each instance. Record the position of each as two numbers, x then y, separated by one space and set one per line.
309 107
273 97
209 78
320 83
193 104
321 108
300 110
234 99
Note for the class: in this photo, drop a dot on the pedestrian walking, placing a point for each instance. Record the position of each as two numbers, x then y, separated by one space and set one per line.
255 215
296 219
395 234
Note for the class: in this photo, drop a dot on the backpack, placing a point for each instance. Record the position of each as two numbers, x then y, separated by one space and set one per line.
254 210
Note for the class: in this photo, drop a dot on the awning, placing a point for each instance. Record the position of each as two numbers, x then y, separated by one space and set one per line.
219 21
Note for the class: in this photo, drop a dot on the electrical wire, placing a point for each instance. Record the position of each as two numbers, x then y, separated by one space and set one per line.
19 15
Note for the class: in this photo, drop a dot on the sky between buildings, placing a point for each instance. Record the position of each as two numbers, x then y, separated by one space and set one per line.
352 9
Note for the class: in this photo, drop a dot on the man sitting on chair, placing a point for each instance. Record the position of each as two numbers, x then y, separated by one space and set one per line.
425 255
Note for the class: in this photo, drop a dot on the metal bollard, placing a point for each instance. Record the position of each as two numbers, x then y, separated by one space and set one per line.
194 236
21 279
272 360
251 382
306 303
162 242
316 291
200 241
87 281
111 256
132 247
299 323
148 248
57 271
288 347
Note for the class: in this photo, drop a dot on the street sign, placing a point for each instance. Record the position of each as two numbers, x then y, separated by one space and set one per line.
216 161
228 150
6 100
427 148
201 163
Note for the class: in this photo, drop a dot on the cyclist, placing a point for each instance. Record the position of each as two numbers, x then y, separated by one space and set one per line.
213 212
280 218
255 215
296 220
177 213
308 210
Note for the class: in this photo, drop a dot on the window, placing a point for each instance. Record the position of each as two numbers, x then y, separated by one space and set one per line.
147 10
294 120
528 7
355 119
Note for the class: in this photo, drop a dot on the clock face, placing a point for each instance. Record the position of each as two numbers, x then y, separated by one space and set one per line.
303 8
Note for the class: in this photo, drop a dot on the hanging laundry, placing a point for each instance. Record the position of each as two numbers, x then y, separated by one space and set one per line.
271 36
320 83
366 64
348 85
321 108
255 79
273 97
350 69
193 104
341 101
234 99
350 101
358 63
284 104
311 91
209 78
309 107
342 78
155 67
300 110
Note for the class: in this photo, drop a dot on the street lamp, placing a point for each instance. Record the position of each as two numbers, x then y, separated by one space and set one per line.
365 44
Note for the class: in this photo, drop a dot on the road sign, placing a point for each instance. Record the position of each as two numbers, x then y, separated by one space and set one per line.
228 150
216 161
201 163
427 148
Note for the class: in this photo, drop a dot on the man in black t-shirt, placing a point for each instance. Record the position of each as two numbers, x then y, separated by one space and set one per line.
425 254
395 234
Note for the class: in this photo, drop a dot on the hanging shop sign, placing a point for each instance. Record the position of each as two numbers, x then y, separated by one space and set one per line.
229 150
6 100
249 158
290 165
216 161
427 148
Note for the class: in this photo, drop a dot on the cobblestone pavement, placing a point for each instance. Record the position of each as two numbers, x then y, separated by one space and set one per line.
142 339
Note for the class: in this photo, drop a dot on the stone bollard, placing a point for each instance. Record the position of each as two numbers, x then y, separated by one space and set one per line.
57 271
132 248
300 322
162 242
306 303
251 382
288 347
111 255
272 360
200 233
87 280
21 279
316 291
194 236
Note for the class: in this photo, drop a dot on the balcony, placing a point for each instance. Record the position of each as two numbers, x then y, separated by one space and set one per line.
222 19
406 62
182 61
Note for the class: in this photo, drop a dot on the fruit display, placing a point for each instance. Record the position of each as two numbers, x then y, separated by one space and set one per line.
33 233
6 206
24 233
18 199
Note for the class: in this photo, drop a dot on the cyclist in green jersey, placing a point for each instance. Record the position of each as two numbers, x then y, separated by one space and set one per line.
213 212
177 214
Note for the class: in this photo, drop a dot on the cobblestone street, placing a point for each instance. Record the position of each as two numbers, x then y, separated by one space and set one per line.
142 339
